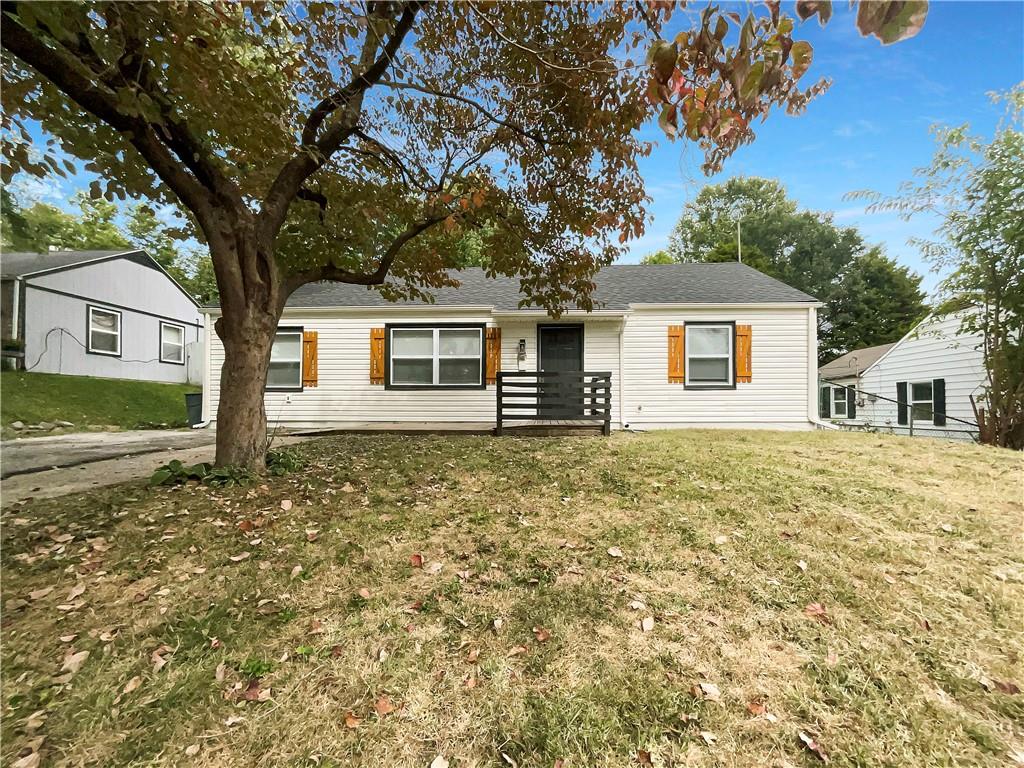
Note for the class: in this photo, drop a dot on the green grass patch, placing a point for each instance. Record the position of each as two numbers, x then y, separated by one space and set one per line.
531 602
89 402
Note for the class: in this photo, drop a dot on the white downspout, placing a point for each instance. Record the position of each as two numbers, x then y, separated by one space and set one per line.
622 371
206 373
15 310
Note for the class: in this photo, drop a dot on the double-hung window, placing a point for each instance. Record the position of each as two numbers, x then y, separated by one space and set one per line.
709 355
424 356
172 343
285 371
104 331
839 403
921 402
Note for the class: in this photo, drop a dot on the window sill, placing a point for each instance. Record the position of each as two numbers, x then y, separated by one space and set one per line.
434 387
709 386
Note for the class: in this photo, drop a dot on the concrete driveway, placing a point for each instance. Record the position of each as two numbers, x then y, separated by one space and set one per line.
45 467
33 454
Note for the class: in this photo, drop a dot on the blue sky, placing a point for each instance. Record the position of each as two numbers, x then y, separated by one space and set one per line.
870 130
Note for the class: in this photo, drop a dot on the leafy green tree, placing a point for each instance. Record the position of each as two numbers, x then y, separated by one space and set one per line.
976 188
804 249
752 256
657 257
13 224
878 302
358 142
43 226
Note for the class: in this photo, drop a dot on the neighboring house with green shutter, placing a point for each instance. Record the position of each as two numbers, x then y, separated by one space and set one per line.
922 384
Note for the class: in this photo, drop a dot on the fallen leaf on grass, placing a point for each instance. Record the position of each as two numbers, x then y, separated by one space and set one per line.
416 560
709 738
817 612
31 760
647 623
470 682
756 708
286 504
74 661
497 624
473 655
241 557
517 650
234 720
39 594
351 721
221 672
384 705
132 684
439 762
947 527
76 591
831 658
644 757
364 593
434 568
614 551
35 721
801 565
192 750
710 691
720 540
542 635
813 746
255 692
296 571
157 657
637 605
1007 686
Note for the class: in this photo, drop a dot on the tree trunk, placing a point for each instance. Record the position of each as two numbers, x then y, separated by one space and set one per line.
241 416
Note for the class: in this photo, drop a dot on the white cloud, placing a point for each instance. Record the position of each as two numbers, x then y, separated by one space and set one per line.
855 128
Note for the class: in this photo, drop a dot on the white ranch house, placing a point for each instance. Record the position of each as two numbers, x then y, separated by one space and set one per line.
683 345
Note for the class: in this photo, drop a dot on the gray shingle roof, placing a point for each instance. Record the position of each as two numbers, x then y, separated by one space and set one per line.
855 362
21 263
618 286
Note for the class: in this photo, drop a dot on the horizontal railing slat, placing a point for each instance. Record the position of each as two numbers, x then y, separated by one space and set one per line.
582 396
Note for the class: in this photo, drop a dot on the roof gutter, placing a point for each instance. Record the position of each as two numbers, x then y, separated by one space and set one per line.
731 305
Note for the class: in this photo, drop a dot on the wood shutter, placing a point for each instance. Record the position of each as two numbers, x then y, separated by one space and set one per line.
493 354
676 354
939 402
743 362
851 403
309 358
376 355
901 402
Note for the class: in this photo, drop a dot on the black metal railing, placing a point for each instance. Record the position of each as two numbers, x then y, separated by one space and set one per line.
582 396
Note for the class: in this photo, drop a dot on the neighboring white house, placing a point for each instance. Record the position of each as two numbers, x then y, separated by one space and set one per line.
115 314
686 345
922 383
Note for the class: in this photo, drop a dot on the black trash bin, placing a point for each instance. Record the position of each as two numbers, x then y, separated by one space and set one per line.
194 408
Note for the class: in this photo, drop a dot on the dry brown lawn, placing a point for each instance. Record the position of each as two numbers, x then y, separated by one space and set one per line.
687 598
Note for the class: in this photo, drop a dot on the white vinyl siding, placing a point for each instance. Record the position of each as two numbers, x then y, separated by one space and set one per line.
936 350
778 397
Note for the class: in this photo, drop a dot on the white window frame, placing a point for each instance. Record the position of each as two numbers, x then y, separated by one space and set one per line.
436 357
832 402
90 330
289 331
911 402
164 324
730 381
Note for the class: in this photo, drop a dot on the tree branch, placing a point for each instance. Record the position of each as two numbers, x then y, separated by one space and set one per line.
65 71
313 153
539 138
379 275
